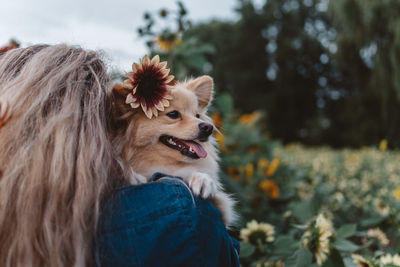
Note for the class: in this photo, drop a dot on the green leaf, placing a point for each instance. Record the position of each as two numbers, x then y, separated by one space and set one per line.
302 210
302 258
372 221
334 260
346 231
345 245
246 249
285 246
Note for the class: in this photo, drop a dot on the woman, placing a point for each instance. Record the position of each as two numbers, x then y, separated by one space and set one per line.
58 168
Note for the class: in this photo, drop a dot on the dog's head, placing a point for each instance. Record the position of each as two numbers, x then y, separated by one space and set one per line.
182 131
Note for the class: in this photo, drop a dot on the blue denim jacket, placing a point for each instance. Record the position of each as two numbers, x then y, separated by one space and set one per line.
162 224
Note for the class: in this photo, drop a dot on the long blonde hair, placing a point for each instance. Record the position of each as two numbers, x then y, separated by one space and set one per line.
56 158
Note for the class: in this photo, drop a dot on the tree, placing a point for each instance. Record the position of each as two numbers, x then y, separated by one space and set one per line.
271 59
368 38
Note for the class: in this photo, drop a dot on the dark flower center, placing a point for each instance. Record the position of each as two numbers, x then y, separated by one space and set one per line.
150 83
257 237
314 240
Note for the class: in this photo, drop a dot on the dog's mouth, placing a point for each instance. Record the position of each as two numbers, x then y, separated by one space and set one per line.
187 148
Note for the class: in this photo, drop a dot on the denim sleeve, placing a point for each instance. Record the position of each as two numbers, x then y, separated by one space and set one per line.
162 224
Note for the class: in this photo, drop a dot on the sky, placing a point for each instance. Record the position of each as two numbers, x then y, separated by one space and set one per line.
101 25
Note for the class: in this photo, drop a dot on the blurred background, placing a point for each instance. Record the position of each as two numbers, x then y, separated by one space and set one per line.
323 72
307 99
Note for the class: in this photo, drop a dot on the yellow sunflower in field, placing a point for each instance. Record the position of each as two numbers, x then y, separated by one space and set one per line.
360 261
317 236
262 163
249 170
217 120
392 260
167 44
250 118
270 188
273 166
396 193
258 232
378 234
383 145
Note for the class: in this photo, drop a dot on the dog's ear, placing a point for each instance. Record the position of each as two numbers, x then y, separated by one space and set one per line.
119 94
203 88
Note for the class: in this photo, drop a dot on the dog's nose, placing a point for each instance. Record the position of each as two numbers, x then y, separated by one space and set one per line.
206 130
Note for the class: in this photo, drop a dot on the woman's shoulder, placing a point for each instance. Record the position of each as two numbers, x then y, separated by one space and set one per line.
160 224
134 204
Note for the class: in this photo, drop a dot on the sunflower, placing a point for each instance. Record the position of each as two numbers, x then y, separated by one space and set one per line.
150 85
221 141
383 145
250 118
396 193
256 233
360 261
168 43
272 167
392 260
262 163
217 119
379 235
316 238
381 207
270 188
249 170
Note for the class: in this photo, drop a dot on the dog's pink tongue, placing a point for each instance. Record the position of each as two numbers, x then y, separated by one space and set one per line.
198 149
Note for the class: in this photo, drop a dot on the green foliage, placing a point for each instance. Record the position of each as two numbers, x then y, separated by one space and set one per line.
268 60
349 198
324 74
308 73
164 37
368 40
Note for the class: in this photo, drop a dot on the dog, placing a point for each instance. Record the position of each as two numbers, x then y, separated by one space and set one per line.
177 142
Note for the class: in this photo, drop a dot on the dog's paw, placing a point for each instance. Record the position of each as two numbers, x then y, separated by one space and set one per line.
202 184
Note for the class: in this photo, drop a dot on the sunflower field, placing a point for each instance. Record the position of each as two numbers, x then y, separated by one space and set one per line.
298 206
308 206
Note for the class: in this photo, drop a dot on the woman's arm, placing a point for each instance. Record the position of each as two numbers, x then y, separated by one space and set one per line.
162 224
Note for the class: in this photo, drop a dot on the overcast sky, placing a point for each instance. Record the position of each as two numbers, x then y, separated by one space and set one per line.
107 25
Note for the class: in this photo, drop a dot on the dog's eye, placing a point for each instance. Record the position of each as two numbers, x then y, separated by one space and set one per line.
174 114
197 115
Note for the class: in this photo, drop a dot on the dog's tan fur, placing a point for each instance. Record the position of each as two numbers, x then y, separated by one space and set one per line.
140 146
